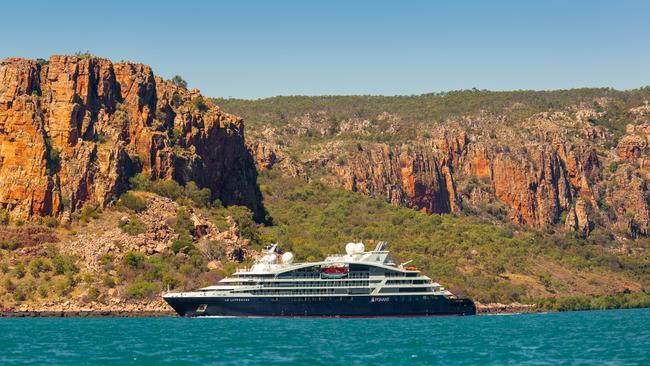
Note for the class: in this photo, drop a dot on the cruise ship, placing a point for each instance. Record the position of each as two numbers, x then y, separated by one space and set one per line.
359 283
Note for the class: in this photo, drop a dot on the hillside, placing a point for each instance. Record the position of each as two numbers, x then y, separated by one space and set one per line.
576 158
116 185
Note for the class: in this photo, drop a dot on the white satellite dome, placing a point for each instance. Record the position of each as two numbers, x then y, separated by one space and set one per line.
359 248
273 258
287 258
350 248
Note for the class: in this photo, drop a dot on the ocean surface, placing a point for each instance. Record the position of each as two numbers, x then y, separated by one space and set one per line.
615 337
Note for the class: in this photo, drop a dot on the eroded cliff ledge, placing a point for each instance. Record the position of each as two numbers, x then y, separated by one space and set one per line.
574 165
74 129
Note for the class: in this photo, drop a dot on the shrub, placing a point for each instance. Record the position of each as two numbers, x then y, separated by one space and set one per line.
108 281
212 249
42 291
179 81
141 289
10 244
177 100
168 188
66 285
134 260
64 264
179 244
4 217
188 270
50 221
93 293
19 294
133 202
8 285
140 182
200 196
4 267
133 226
200 104
183 225
169 282
53 158
106 260
82 54
38 266
90 212
19 270
155 268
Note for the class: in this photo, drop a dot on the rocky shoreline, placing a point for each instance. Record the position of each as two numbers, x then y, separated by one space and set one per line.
482 309
86 314
513 308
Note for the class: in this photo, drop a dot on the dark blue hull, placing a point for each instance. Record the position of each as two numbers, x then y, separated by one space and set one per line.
346 306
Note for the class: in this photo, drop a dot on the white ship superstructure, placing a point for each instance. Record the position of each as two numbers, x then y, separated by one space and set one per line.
357 277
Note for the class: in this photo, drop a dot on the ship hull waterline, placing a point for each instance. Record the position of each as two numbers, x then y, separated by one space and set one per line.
350 306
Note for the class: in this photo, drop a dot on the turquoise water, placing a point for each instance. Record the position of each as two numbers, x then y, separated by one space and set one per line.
617 337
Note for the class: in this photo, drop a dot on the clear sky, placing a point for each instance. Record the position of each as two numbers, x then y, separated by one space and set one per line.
253 49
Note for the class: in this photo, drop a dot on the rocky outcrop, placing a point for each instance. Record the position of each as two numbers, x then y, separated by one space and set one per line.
158 234
410 176
74 129
534 175
578 218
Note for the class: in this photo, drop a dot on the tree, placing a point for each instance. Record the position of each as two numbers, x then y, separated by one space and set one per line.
179 81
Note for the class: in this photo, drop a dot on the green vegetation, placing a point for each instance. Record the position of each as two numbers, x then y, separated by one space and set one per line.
133 202
200 103
82 54
4 217
53 157
140 182
134 260
132 226
91 211
9 244
179 81
199 196
141 289
467 254
301 123
602 302
168 188
50 221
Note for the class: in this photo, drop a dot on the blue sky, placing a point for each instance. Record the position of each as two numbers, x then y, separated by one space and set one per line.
253 49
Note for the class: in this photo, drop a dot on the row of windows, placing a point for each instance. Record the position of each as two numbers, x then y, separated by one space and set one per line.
315 284
349 298
406 282
292 292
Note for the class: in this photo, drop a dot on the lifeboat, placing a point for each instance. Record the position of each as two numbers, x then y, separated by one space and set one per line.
334 271
411 268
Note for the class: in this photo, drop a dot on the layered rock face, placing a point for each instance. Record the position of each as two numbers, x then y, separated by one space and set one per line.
552 168
74 129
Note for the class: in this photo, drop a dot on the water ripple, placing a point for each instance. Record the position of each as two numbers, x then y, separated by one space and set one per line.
620 337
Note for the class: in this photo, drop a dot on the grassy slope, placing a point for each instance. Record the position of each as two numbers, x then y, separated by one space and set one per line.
490 263
467 254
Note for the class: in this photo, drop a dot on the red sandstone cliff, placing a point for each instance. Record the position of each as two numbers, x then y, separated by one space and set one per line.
554 168
74 129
